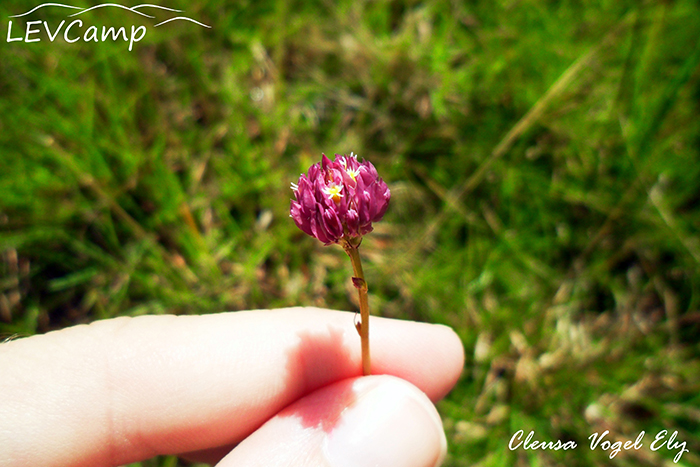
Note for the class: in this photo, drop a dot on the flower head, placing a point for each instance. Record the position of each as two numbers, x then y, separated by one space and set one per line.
339 198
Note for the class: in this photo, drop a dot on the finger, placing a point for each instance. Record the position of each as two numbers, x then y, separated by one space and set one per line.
375 420
127 389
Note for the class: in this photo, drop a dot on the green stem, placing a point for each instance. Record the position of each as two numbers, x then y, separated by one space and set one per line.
361 286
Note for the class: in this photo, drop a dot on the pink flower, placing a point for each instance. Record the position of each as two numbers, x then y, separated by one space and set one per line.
339 199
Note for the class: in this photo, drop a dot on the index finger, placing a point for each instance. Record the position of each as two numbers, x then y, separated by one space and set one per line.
126 389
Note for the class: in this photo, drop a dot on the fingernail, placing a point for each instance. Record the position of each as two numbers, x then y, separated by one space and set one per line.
391 423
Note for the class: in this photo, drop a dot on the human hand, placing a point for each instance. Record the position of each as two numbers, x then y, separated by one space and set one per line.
272 388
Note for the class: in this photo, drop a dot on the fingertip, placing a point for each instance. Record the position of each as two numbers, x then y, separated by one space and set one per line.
430 356
452 354
392 422
373 420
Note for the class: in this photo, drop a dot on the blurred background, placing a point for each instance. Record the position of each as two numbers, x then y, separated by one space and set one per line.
543 159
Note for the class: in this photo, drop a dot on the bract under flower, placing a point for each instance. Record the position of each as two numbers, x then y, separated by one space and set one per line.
339 198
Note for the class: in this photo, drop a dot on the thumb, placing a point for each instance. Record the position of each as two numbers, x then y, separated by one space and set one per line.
374 420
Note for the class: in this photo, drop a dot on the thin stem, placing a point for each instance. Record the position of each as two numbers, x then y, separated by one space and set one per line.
361 285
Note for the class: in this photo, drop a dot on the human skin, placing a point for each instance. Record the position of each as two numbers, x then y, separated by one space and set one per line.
266 387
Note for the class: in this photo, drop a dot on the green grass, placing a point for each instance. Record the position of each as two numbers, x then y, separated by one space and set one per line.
543 160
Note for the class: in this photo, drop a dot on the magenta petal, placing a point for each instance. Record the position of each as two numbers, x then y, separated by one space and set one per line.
306 199
302 221
325 162
352 219
380 195
333 226
365 207
318 226
368 173
314 171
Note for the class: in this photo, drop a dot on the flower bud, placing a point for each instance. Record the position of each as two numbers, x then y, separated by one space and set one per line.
339 198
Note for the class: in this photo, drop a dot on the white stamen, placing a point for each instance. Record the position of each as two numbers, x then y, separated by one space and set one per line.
334 192
353 173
